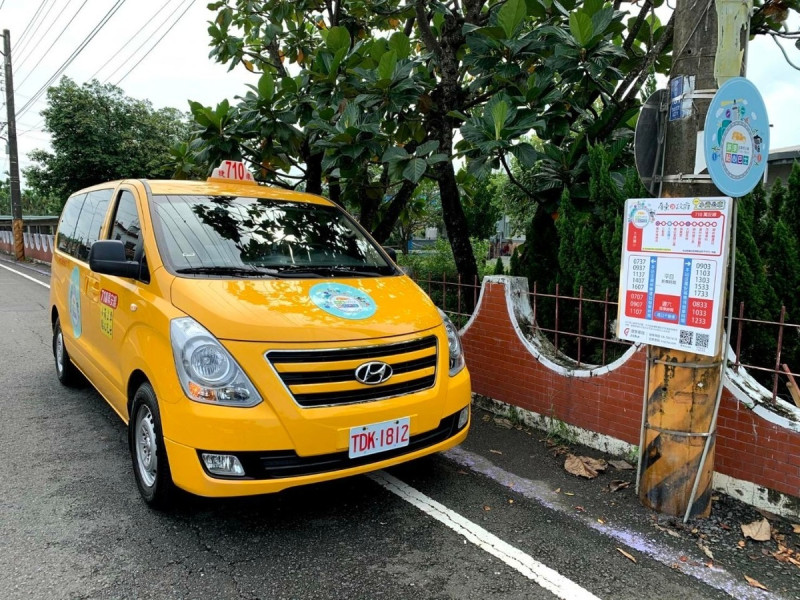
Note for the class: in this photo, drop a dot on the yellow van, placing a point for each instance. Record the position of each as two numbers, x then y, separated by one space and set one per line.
252 338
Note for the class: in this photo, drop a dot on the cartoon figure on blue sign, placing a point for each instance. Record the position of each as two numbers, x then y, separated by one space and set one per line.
343 301
74 302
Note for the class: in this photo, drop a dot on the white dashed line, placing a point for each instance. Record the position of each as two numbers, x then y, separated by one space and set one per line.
515 558
42 283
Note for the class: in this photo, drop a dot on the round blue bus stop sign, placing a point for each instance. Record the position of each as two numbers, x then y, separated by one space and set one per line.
736 137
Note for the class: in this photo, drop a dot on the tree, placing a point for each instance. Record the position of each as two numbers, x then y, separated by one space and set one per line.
99 134
383 88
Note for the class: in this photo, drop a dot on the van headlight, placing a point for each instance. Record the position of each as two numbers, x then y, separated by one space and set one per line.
207 371
453 345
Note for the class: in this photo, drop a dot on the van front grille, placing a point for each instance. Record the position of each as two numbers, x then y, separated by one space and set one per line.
328 377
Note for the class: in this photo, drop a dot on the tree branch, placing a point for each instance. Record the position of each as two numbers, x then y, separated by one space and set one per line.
644 67
513 179
637 26
425 31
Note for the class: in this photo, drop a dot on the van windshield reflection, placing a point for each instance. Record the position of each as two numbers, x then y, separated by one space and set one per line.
229 236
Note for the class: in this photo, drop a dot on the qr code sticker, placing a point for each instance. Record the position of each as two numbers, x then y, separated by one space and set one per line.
686 338
702 340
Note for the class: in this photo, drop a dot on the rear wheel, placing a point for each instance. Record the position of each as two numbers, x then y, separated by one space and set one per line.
67 373
150 463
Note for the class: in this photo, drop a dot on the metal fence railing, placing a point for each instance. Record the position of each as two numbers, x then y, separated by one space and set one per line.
583 329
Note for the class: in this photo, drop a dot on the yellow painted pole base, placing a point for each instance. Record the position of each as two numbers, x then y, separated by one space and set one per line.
680 409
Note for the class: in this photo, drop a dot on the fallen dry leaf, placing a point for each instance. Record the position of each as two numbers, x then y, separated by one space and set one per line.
683 558
504 423
669 531
618 484
626 555
601 521
757 530
583 466
510 501
706 550
580 509
495 451
568 494
622 465
487 507
795 528
557 491
741 543
487 418
755 583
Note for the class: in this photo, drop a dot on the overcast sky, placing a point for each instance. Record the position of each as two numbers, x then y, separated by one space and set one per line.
178 68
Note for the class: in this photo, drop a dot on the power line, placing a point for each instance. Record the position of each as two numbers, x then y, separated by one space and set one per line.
20 45
72 57
44 35
28 28
46 52
175 22
133 37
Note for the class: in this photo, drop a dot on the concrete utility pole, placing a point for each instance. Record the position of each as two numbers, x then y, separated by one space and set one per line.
13 160
683 387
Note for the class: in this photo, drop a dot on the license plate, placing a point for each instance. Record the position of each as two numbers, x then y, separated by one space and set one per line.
379 437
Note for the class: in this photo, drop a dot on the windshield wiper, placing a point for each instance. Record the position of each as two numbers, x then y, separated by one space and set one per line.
227 270
326 270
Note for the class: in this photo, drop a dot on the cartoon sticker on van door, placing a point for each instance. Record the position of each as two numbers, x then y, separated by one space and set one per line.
75 302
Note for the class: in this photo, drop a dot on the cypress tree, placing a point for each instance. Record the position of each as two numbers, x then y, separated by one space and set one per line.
499 269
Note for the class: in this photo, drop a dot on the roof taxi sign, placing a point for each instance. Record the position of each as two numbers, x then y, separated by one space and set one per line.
232 170
674 260
736 137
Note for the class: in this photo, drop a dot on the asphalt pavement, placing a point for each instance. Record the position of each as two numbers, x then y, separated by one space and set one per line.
497 517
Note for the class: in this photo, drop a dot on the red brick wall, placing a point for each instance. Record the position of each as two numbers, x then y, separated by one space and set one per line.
749 447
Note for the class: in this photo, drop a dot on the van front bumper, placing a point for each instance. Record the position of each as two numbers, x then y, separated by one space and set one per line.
271 471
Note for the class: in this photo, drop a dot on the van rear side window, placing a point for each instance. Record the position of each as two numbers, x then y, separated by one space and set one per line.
126 226
69 219
90 223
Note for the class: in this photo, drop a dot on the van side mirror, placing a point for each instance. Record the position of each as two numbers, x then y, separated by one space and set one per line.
107 257
391 252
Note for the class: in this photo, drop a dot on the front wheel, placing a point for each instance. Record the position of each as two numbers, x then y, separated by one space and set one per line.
150 463
66 372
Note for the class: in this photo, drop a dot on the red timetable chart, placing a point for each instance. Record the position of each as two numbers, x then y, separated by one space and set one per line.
674 261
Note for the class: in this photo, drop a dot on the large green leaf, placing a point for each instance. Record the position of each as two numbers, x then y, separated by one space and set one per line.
499 114
387 65
394 154
337 38
400 43
525 154
415 169
511 15
581 28
427 147
266 86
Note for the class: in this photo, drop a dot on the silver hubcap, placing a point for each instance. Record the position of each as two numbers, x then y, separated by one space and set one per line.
60 352
146 458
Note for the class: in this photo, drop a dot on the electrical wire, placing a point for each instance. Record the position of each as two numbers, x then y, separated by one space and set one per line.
133 37
175 22
47 52
22 45
21 60
72 57
28 27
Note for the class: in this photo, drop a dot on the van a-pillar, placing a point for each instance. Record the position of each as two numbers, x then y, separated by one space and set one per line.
683 387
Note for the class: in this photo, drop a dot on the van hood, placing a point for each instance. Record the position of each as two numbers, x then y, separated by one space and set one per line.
306 310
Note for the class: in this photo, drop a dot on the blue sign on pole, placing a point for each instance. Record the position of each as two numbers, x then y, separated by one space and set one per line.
736 137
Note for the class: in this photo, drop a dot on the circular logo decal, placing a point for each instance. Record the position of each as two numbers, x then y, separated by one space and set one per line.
343 301
74 302
736 137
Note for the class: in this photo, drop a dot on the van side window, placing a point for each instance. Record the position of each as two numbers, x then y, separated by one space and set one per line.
66 226
126 225
90 223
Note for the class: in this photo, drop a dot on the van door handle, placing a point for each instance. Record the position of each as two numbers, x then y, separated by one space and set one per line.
93 288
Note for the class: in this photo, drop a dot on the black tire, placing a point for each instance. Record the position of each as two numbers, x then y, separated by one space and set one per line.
149 457
66 372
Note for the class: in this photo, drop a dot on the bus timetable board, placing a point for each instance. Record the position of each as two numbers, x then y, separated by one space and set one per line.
674 261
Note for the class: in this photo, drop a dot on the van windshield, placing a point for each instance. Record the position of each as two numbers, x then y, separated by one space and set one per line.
230 236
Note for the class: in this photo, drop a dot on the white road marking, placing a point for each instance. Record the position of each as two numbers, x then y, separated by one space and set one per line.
42 283
515 558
